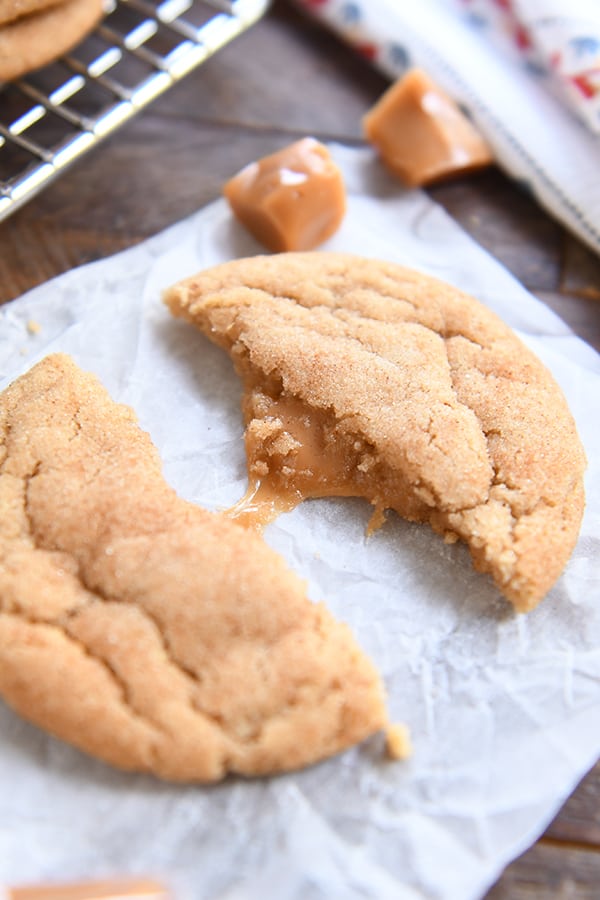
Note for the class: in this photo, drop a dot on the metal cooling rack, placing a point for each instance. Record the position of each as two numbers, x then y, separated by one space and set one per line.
53 116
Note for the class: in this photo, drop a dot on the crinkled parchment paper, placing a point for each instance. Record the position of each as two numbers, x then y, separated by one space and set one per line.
504 709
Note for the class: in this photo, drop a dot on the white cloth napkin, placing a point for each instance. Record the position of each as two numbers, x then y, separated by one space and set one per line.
559 37
504 710
510 65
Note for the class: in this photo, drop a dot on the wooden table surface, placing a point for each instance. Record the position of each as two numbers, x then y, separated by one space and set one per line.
284 79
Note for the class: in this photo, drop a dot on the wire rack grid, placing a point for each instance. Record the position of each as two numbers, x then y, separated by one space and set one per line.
140 49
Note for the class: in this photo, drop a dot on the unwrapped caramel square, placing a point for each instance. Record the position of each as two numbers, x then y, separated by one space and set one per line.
421 134
291 200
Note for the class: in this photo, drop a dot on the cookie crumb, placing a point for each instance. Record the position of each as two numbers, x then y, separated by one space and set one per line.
33 327
397 741
376 521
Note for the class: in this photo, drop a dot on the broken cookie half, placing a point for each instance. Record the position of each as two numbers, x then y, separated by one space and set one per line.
366 379
144 630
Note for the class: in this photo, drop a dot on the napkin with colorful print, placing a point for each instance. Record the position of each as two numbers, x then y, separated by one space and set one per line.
526 71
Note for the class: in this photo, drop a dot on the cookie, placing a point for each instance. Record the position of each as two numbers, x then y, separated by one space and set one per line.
36 39
16 9
147 631
363 378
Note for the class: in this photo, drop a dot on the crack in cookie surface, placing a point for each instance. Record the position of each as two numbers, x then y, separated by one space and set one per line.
145 630
466 429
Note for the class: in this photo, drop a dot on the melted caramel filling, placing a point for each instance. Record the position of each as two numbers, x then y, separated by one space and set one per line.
295 452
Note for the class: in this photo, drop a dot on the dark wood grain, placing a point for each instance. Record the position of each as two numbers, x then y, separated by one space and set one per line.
581 271
551 870
285 78
508 223
579 819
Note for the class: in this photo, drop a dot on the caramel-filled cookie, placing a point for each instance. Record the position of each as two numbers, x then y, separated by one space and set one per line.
36 39
144 630
363 378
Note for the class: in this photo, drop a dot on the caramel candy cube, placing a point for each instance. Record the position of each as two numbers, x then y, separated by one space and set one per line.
292 200
421 134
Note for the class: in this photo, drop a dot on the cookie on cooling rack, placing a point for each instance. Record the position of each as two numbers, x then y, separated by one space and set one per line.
10 10
35 32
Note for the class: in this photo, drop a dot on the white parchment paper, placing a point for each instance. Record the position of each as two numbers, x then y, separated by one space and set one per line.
504 709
